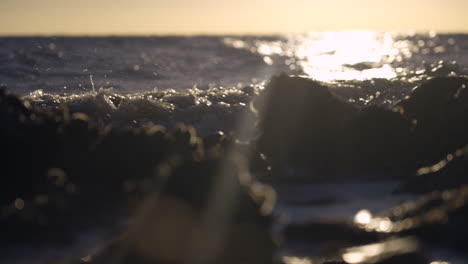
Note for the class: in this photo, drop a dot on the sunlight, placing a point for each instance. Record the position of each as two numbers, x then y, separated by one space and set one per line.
296 260
347 55
370 253
331 56
363 217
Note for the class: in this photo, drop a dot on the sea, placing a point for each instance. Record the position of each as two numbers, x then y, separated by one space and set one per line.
200 77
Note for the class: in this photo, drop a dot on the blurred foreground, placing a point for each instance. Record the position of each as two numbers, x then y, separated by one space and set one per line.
172 196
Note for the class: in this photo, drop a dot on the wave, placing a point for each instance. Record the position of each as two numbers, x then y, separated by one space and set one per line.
209 110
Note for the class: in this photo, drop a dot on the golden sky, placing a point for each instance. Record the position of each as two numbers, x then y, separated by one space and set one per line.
117 17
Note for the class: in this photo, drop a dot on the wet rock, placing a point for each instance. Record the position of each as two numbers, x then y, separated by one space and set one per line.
377 140
300 121
438 219
438 108
206 211
448 173
328 236
250 90
91 162
304 125
193 200
442 68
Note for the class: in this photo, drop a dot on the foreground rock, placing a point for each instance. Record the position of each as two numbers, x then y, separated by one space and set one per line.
57 167
186 198
206 211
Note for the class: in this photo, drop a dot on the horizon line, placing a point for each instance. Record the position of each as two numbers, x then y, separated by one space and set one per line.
208 34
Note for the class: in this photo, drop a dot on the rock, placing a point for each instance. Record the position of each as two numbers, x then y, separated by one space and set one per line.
438 219
328 236
300 121
377 140
206 211
250 90
193 201
439 109
448 173
304 125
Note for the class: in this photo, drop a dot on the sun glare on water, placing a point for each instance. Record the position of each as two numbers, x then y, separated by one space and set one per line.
347 55
332 56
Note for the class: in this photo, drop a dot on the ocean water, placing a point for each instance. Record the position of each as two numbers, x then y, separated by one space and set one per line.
200 81
197 79
64 65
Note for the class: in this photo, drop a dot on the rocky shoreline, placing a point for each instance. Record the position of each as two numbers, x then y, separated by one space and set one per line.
191 198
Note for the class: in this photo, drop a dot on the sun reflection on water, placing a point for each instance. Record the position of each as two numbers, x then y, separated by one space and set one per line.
332 56
363 217
347 55
375 252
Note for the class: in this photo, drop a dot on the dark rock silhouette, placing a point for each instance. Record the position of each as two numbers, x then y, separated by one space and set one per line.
377 139
304 125
206 211
62 175
300 121
57 167
439 109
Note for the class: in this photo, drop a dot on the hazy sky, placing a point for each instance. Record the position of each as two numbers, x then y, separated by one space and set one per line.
91 17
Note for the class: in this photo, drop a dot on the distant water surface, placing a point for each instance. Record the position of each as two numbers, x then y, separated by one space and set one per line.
69 65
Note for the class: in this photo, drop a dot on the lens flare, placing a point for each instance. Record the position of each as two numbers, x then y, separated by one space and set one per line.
363 217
